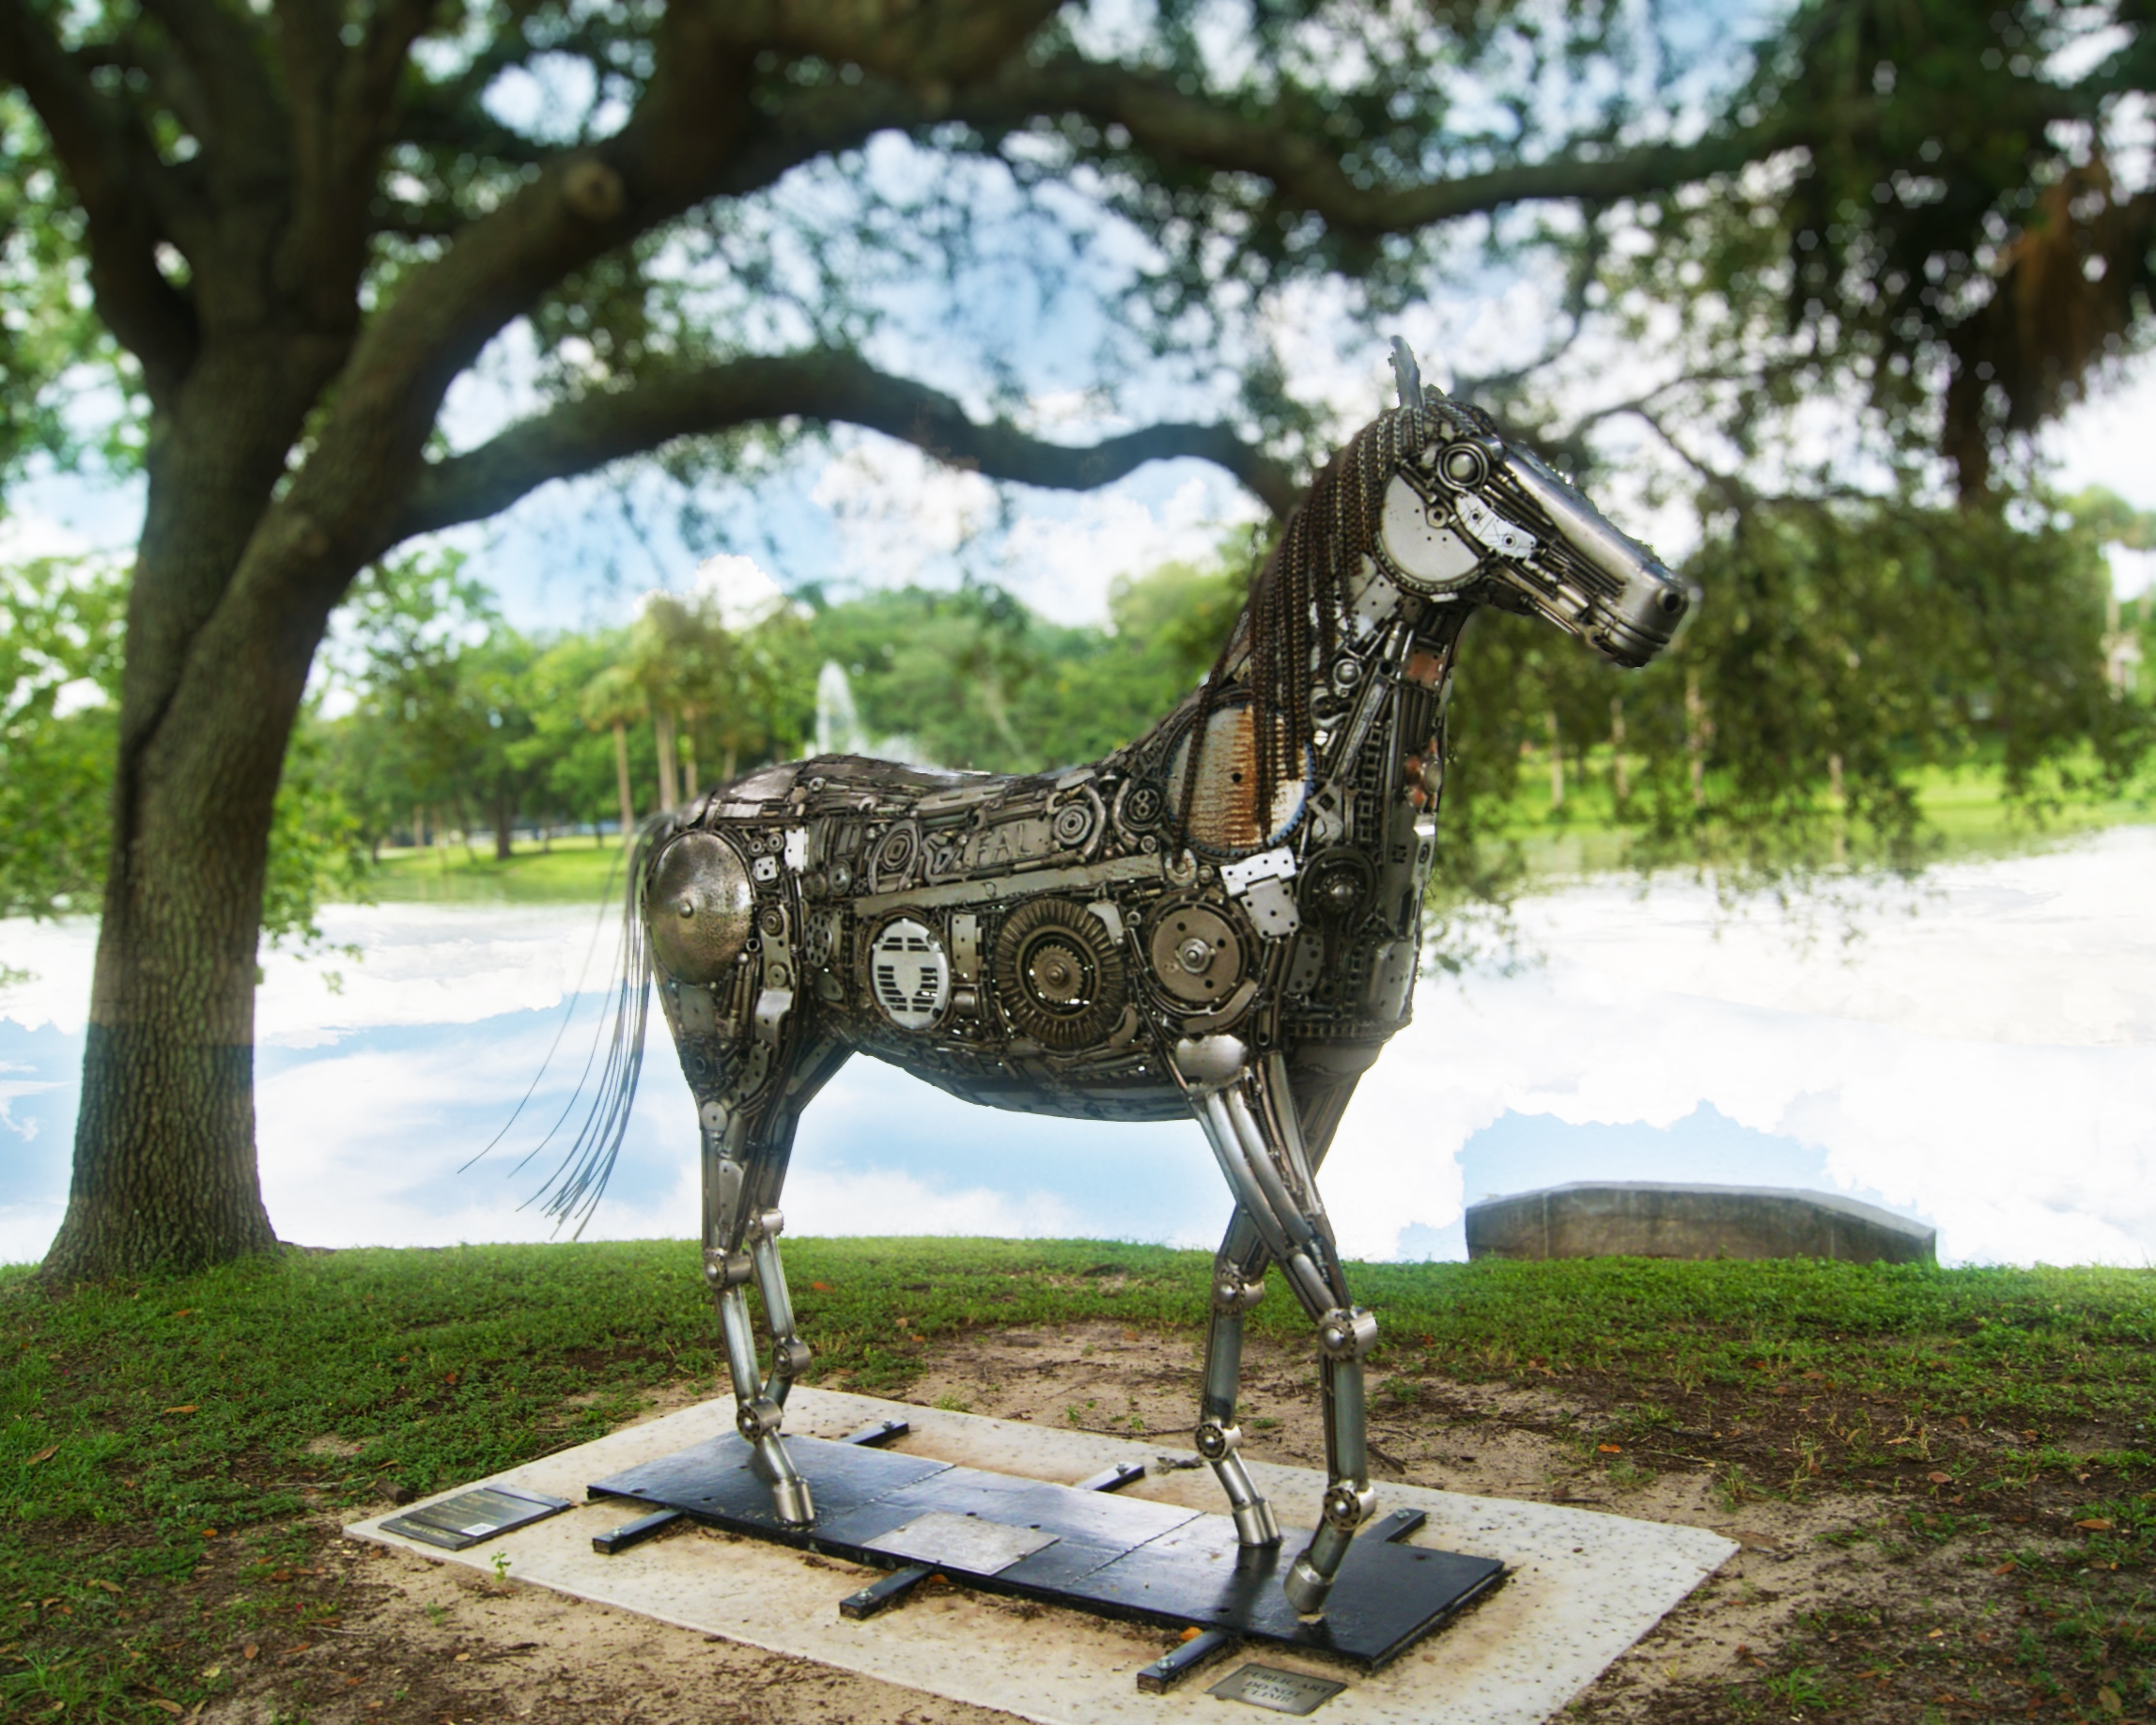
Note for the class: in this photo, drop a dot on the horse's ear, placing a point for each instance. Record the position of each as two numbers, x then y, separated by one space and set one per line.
1407 373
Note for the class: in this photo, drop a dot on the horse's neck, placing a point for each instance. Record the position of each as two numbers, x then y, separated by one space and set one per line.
1400 648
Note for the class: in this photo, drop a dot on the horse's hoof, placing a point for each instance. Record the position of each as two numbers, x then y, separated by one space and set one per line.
1255 1528
791 1498
1306 1589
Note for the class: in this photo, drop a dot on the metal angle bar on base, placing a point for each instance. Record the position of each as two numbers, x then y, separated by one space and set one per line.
876 1435
615 1540
1113 1479
1170 1668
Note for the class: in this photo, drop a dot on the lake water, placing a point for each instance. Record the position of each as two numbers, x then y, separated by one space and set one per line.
1982 1056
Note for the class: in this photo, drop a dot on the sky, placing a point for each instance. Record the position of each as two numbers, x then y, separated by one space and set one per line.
1981 1057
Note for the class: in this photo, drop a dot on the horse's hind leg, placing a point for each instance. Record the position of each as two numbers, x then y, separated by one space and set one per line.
1238 1281
745 1158
1249 1115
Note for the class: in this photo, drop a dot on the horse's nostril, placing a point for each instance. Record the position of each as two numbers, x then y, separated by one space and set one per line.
1671 601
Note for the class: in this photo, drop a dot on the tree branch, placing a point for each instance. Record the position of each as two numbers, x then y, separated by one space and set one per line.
249 137
1168 124
344 105
107 161
825 386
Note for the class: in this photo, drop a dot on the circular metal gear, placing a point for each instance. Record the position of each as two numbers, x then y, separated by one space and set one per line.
1139 806
1335 883
700 908
1058 975
1198 956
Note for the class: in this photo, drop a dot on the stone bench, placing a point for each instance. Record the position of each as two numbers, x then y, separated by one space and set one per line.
1648 1219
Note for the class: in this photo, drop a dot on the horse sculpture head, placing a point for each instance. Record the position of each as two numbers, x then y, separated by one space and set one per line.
1468 516
1429 512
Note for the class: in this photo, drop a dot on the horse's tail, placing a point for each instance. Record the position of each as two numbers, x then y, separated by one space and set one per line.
573 1190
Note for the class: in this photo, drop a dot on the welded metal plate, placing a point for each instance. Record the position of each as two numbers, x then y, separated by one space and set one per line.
712 1482
967 1543
1097 1551
470 1516
1277 1691
1389 1594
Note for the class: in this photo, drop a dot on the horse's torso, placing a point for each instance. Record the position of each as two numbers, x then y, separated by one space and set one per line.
1041 942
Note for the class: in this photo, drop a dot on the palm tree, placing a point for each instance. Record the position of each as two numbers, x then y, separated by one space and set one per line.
682 657
613 700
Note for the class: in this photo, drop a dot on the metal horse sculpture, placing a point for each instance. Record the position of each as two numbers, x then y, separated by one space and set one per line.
1220 920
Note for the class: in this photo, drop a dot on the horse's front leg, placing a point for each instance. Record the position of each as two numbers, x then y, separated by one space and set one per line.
1249 1115
1238 1282
745 1158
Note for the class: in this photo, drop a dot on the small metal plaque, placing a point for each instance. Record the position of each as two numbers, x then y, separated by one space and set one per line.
970 1543
1277 1691
473 1515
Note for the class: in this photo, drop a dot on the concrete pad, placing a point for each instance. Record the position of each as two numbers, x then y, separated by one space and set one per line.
1583 1586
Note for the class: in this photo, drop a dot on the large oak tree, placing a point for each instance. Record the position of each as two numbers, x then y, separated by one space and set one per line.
288 226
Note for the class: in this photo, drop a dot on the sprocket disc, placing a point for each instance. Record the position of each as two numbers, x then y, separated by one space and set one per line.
1058 974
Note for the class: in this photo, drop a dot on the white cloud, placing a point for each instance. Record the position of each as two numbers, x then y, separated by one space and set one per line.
898 512
2105 440
888 1201
745 594
1063 565
1986 1061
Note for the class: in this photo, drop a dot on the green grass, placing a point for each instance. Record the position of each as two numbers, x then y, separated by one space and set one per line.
156 1473
1965 811
568 871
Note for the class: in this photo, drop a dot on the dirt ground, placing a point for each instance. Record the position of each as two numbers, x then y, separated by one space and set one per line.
1883 1619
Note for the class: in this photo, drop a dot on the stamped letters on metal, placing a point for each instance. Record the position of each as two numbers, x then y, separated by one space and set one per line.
1277 1691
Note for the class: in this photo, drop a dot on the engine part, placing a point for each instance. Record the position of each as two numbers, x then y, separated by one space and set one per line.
909 973
1198 956
701 908
1058 975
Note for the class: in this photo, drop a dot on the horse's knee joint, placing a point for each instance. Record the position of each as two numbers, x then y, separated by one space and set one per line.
727 1269
1234 1293
757 1418
1347 1332
766 1225
790 1358
1348 1506
1216 1441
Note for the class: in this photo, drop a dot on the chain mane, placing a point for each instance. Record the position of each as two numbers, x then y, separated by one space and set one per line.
1292 619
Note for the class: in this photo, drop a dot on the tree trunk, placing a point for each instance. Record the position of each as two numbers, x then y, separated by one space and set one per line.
504 827
1620 780
662 732
689 755
621 782
165 1167
1695 738
1557 761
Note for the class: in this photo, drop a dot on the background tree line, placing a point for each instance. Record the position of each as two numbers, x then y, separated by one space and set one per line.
1849 645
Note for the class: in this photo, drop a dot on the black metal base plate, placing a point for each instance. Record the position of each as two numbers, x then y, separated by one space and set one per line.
1121 1557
